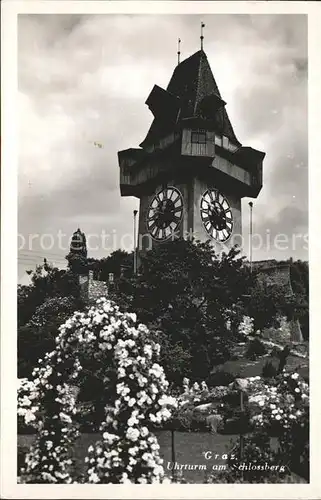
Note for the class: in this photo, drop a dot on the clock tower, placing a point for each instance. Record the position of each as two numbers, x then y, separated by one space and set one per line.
190 172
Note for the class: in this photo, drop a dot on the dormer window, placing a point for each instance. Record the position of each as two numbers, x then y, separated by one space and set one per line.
199 136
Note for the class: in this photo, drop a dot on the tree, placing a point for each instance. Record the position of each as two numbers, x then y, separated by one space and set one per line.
185 291
45 304
266 302
46 281
117 262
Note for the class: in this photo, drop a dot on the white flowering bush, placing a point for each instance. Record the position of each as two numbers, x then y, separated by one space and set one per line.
246 326
281 408
28 404
125 355
282 403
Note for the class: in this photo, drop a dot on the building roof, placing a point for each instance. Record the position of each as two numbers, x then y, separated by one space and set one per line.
192 81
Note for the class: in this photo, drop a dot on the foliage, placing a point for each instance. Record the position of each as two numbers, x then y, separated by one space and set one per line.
88 417
26 305
255 348
284 401
118 263
275 407
269 370
56 307
269 300
199 393
283 356
43 306
280 334
188 398
187 292
266 303
188 420
235 418
195 404
299 271
278 406
221 377
123 353
46 282
27 406
258 463
245 327
38 336
281 408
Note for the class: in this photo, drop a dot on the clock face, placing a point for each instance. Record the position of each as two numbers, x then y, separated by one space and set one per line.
165 213
216 215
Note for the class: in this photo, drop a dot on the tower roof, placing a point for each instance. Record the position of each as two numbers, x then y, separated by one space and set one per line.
193 82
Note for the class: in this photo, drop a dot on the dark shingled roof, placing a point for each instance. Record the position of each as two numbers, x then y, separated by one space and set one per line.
193 80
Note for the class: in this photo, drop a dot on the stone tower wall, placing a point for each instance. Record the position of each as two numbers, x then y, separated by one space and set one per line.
279 274
91 289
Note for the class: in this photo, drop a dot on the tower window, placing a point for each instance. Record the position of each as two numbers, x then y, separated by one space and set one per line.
199 136
225 142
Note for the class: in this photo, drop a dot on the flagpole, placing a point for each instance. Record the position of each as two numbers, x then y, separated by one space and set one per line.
202 36
251 233
135 253
179 51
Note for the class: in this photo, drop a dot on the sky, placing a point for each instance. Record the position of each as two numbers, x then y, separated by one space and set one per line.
82 84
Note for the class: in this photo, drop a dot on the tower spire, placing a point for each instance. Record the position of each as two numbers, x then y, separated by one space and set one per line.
202 36
178 51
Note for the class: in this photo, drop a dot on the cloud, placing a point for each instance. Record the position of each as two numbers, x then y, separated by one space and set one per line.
84 79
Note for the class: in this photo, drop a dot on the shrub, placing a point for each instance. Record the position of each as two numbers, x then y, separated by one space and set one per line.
21 455
280 335
246 327
255 348
183 420
87 417
269 370
235 419
189 397
268 300
221 377
217 393
28 406
195 404
283 356
233 398
283 411
23 428
187 420
238 424
256 451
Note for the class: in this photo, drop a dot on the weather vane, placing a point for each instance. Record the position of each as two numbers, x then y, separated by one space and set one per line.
202 36
178 51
